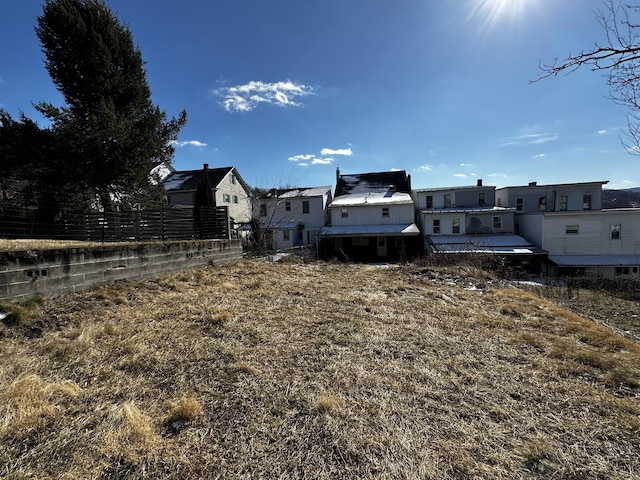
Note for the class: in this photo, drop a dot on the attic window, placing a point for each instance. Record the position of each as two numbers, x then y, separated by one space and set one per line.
226 198
385 211
233 179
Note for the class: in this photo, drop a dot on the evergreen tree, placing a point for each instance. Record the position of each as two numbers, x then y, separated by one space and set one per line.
109 133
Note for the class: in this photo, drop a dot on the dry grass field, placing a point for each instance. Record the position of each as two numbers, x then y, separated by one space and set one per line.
315 371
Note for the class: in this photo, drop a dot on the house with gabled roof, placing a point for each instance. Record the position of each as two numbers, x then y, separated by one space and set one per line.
371 218
292 217
229 190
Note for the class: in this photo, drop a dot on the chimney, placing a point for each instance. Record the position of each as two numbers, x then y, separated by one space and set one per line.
409 182
337 175
205 167
533 184
479 182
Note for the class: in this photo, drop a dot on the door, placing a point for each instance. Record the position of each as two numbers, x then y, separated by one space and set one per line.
382 246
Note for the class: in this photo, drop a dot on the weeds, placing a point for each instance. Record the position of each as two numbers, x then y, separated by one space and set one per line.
318 370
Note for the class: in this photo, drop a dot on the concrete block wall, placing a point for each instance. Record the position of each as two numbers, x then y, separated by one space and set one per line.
49 273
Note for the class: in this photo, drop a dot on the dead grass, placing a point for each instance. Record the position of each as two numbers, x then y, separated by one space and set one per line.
317 370
34 245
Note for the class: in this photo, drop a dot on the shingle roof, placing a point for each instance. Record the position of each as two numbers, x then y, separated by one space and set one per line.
372 182
189 179
372 188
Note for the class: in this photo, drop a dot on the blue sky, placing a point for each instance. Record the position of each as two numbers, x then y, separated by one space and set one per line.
288 90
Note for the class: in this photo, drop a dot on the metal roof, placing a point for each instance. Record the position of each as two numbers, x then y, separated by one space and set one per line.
594 260
363 230
496 244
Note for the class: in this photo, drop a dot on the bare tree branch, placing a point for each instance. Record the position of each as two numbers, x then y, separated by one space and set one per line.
619 57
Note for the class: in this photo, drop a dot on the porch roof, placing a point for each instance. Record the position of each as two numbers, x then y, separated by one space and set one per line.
594 260
370 230
496 244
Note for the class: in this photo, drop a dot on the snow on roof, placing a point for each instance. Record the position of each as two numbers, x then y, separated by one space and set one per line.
364 197
497 244
468 210
175 180
304 192
353 230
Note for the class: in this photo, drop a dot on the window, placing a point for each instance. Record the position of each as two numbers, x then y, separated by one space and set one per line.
385 211
287 206
520 203
360 241
622 270
586 202
436 226
287 235
564 203
615 231
226 198
235 199
344 212
542 204
482 198
305 206
233 179
447 200
399 242
429 201
455 225
497 222
571 230
263 209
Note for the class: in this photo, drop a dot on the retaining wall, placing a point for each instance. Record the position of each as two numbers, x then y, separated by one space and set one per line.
50 273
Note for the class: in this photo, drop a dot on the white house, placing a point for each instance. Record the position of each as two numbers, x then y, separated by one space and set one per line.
567 221
229 188
293 216
371 218
465 220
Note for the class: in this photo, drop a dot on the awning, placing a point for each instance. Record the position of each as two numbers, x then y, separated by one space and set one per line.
370 230
494 244
286 225
595 260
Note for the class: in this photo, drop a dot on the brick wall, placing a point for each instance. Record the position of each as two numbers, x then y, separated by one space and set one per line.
53 272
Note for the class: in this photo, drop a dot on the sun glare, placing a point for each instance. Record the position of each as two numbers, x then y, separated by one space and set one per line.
489 13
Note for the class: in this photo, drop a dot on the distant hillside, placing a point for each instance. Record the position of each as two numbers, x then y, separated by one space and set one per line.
627 198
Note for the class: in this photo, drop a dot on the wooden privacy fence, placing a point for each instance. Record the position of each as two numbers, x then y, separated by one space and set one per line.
136 225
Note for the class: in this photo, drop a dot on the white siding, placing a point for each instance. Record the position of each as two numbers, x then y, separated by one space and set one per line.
241 211
372 215
593 233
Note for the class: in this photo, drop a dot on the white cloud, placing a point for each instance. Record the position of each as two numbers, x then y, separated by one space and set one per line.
540 155
191 143
322 161
297 158
341 151
460 175
602 132
396 169
244 98
465 164
426 167
325 157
